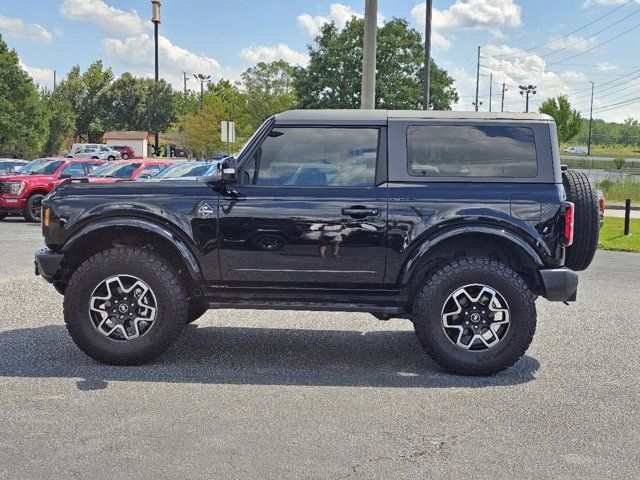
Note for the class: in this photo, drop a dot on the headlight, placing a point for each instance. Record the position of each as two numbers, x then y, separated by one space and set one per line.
15 188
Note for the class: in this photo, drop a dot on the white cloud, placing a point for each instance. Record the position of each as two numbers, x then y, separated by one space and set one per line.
606 66
17 28
490 15
268 54
108 18
573 43
338 13
40 76
136 54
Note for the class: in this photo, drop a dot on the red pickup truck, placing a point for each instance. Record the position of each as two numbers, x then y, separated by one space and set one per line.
123 170
22 193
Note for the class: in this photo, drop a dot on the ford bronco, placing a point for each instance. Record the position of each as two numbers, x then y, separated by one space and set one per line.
455 221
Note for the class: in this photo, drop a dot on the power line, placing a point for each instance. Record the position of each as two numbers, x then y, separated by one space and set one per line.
597 46
572 32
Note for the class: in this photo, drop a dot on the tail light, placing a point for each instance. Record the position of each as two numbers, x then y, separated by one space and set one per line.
602 204
568 213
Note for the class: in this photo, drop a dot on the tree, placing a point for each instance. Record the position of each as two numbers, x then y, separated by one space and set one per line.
568 121
334 74
131 103
23 122
201 129
61 122
268 88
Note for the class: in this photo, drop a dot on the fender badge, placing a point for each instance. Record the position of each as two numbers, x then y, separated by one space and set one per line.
205 211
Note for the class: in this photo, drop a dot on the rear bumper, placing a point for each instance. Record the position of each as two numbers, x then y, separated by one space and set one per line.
560 284
48 264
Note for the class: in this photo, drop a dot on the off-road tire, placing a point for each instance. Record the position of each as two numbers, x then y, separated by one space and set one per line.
157 273
430 300
197 308
27 213
587 220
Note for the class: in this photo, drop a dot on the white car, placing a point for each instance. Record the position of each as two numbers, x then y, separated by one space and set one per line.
580 150
93 150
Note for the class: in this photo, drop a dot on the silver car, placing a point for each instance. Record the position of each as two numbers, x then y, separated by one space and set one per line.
93 150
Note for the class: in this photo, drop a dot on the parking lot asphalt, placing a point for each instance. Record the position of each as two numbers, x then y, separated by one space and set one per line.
249 394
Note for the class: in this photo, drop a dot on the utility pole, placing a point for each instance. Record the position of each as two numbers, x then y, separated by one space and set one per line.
368 93
528 90
593 86
427 56
54 80
184 75
490 91
155 19
504 89
477 104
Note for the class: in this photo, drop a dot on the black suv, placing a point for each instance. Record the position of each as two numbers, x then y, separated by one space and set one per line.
455 221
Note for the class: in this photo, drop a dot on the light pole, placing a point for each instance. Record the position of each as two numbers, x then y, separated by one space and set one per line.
528 90
427 56
593 86
504 89
202 79
155 19
368 93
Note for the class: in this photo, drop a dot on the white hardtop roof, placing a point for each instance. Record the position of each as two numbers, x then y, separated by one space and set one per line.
383 115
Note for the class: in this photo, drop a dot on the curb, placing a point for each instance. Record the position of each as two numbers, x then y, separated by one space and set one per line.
621 206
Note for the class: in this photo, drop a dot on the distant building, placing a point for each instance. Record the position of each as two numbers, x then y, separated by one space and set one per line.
139 141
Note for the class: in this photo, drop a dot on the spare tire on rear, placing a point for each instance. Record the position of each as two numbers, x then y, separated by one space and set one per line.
587 225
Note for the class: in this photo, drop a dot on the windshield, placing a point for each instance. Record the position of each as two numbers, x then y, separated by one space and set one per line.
185 170
41 167
115 170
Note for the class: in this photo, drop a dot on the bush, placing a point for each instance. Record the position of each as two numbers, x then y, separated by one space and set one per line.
619 162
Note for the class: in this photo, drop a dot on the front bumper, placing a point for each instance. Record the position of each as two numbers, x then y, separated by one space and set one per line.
560 284
48 264
11 204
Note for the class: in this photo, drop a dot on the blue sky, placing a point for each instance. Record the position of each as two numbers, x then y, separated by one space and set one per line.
523 41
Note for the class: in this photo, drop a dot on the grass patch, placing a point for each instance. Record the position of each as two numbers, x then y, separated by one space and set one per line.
581 162
612 235
620 190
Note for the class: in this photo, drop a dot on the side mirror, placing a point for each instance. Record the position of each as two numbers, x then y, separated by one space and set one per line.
225 174
62 176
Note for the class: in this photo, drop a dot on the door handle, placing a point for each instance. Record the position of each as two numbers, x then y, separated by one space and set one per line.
360 212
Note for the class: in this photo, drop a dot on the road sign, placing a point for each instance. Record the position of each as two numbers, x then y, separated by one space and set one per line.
228 131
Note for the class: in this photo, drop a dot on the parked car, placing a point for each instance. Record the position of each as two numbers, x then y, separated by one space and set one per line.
580 150
456 221
184 171
125 151
121 171
93 150
22 193
9 166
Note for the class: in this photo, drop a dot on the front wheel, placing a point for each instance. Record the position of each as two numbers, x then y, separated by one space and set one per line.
33 208
125 306
475 316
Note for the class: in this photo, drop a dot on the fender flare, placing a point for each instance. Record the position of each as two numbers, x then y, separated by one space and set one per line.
427 245
141 224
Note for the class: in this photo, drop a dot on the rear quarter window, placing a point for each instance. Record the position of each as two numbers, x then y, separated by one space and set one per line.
471 151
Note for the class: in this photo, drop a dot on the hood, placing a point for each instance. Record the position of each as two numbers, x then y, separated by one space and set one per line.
27 178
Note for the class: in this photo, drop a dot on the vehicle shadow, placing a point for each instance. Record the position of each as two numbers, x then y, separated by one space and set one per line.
252 356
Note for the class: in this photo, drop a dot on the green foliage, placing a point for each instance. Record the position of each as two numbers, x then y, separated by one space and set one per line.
568 121
132 103
611 134
23 122
334 75
268 89
201 129
620 190
612 235
619 162
61 120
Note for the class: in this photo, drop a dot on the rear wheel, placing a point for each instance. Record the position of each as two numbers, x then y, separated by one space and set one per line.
587 220
125 306
33 209
111 158
125 156
475 316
